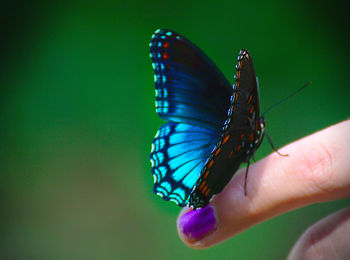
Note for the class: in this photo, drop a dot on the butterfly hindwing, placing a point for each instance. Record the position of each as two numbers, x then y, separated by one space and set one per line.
242 135
189 87
179 152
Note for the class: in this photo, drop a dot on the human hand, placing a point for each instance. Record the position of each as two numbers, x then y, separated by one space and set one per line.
316 170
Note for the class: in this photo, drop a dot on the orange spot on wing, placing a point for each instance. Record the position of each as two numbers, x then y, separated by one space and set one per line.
210 163
251 110
230 154
242 135
251 137
250 99
237 85
238 74
239 147
207 192
217 151
165 56
225 139
204 189
201 186
206 174
165 45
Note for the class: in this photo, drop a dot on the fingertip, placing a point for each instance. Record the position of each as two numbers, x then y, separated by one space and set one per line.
194 225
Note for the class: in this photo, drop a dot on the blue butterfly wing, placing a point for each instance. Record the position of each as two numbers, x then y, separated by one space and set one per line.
194 97
179 152
189 87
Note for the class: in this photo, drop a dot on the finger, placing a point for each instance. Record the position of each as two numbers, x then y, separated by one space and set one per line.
317 169
327 239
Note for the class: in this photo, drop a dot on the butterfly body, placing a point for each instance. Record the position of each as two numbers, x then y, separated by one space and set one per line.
212 127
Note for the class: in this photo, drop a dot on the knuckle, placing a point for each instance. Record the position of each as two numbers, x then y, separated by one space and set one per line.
315 167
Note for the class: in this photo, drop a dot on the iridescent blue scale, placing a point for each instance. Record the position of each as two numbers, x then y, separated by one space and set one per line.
212 127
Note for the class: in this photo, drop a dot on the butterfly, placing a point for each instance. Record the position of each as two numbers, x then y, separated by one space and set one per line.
212 127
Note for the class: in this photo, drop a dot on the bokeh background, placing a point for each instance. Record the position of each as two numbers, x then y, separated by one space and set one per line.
77 118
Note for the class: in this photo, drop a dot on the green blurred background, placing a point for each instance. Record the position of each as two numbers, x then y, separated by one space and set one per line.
77 118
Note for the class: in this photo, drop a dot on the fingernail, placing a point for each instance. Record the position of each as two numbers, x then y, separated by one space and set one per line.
197 223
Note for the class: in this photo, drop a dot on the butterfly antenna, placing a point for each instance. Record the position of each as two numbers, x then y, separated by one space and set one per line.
286 98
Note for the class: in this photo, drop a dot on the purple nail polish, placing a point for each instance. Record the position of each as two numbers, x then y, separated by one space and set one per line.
197 223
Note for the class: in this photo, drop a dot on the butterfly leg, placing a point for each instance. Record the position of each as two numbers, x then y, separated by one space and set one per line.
245 179
253 158
272 146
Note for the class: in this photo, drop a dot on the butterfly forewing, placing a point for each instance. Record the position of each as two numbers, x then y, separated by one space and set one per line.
189 87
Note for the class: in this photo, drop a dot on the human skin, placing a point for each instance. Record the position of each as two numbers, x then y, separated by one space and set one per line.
316 170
